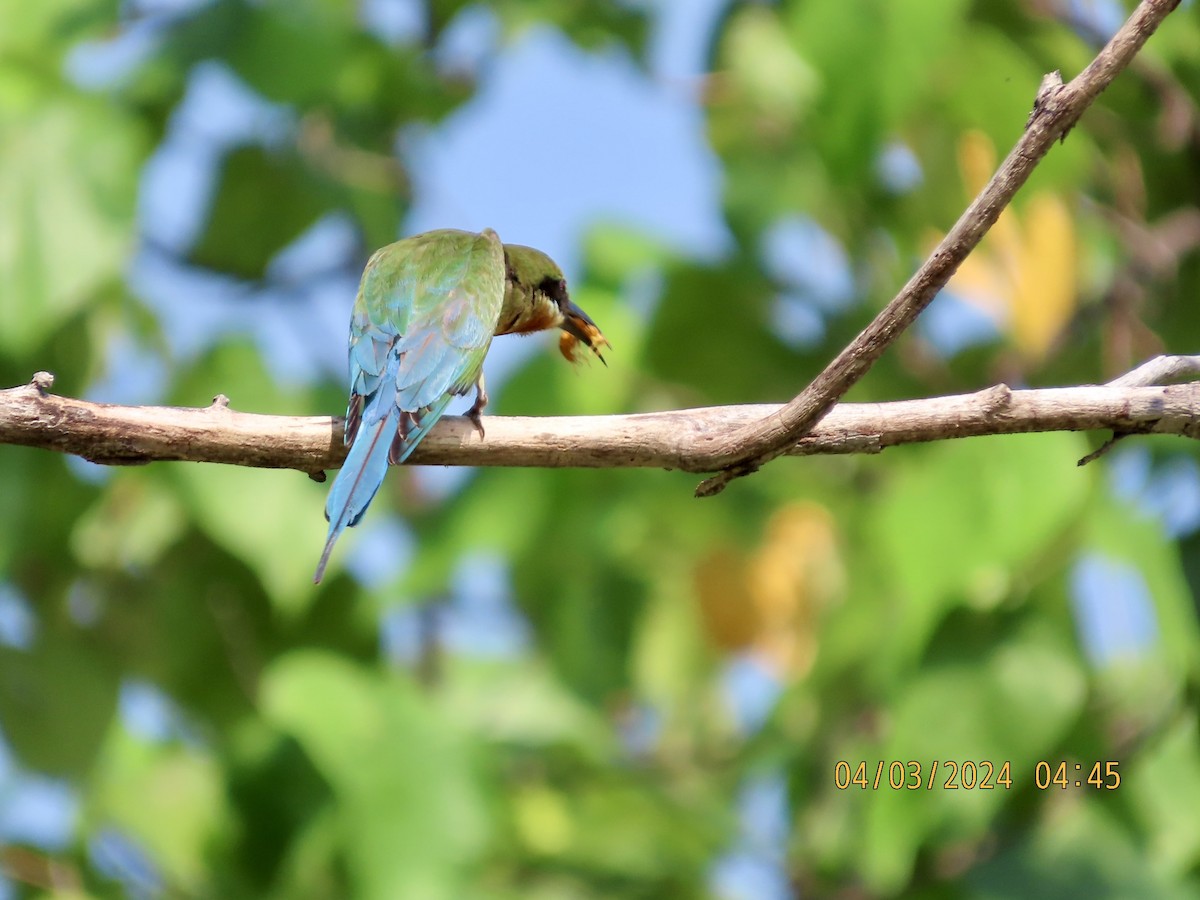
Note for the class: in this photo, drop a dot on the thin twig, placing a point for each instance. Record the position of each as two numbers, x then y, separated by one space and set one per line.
1056 110
1160 370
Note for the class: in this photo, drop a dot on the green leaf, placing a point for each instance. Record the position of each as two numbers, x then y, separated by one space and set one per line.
269 519
68 182
291 51
410 811
1086 853
614 252
704 313
959 521
771 75
169 797
263 202
500 510
41 31
1165 787
57 699
537 709
1146 687
131 526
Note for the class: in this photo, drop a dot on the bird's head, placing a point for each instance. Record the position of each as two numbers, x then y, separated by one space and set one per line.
535 298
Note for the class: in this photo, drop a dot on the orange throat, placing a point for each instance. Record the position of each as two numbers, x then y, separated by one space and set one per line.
539 319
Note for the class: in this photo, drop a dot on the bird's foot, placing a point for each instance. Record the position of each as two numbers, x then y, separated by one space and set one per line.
475 413
477 421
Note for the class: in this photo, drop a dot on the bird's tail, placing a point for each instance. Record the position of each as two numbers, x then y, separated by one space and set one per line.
358 479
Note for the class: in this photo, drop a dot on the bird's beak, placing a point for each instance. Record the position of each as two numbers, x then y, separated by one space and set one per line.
580 328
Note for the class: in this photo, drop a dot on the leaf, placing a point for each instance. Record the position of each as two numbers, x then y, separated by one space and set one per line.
870 77
269 519
44 30
292 51
958 521
1165 788
68 181
1046 292
1024 271
272 520
703 315
671 656
500 511
536 710
135 520
992 71
1088 852
263 201
56 700
731 621
410 812
169 797
906 31
592 26
613 253
766 71
771 599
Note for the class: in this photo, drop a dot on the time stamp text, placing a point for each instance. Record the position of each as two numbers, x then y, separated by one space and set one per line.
973 775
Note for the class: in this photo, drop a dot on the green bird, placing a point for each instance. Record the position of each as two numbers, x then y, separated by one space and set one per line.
426 311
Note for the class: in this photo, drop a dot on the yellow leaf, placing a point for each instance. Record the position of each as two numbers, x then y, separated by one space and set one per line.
1045 295
792 577
1023 273
770 601
730 618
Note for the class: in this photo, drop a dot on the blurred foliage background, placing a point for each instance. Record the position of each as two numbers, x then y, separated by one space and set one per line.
576 684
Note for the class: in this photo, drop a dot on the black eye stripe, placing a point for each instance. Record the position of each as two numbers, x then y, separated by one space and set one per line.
554 288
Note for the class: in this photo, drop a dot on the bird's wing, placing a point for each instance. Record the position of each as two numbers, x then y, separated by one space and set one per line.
426 310
424 319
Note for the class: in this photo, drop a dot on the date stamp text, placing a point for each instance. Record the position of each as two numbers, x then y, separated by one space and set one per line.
971 775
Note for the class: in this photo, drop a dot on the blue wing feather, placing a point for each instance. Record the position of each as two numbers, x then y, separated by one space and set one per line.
425 314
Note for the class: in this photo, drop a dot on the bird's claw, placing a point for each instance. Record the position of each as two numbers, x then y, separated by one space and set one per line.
476 417
475 413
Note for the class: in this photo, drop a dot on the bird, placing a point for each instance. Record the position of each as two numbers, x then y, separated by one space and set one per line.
424 317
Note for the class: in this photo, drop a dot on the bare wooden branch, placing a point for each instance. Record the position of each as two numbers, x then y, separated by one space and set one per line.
1056 109
678 439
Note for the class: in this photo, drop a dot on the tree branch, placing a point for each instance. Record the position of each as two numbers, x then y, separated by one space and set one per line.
678 439
1057 108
